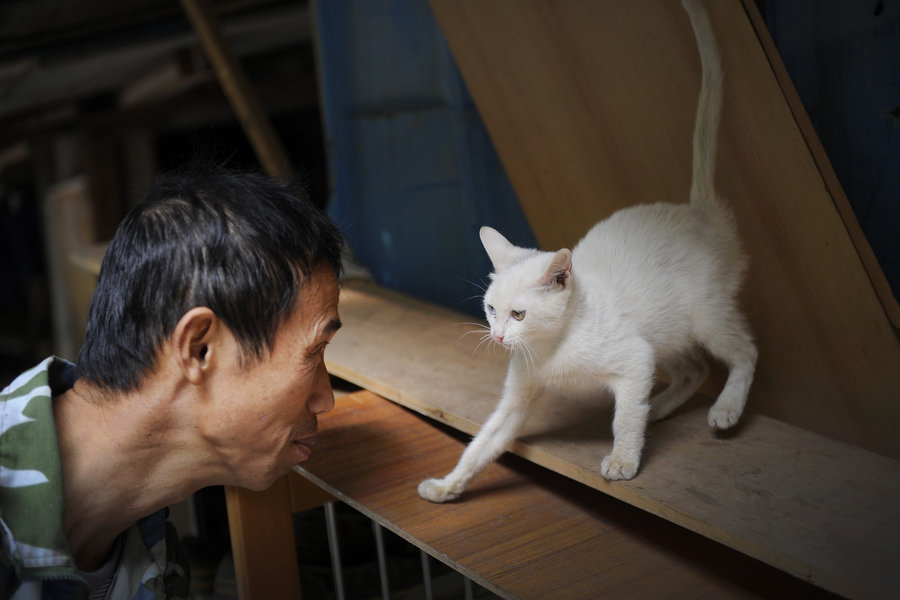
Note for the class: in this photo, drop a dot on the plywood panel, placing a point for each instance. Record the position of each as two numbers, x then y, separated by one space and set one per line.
531 533
591 107
806 504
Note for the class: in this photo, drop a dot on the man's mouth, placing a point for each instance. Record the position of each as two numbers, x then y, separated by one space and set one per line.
308 441
305 445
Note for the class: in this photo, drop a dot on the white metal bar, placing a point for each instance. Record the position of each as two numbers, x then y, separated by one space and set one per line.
335 550
382 561
426 574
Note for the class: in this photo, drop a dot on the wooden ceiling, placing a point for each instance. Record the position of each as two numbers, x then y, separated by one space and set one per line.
62 61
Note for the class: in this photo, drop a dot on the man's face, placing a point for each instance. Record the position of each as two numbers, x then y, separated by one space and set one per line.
267 422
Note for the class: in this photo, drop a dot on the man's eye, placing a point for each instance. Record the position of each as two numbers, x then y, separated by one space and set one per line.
518 315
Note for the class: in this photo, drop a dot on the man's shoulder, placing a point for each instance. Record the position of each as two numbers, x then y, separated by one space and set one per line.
31 509
25 383
27 429
53 373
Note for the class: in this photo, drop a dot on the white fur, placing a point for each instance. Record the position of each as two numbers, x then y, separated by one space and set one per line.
647 287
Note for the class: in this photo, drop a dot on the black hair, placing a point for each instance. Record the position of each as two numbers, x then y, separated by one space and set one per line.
240 243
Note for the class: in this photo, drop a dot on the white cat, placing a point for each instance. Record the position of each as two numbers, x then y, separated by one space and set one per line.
651 285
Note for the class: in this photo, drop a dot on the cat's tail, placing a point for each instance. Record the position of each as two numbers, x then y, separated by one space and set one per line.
709 107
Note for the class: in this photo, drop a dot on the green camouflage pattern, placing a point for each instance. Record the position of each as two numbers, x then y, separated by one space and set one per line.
35 561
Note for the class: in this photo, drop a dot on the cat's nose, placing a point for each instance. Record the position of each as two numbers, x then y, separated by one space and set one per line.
498 339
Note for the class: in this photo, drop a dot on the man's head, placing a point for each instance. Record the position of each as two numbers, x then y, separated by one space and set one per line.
239 244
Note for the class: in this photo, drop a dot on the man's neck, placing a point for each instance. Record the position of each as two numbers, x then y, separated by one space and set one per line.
119 454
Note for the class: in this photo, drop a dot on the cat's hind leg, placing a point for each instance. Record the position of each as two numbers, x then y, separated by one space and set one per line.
687 372
732 343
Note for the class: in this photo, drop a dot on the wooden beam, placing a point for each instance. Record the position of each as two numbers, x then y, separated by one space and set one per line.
170 76
68 226
243 98
262 542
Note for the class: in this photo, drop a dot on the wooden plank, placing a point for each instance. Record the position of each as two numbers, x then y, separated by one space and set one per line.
262 542
814 507
89 257
591 107
68 225
305 495
243 98
404 349
531 533
170 76
823 164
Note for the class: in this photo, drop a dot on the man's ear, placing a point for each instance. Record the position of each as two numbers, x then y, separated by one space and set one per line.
191 342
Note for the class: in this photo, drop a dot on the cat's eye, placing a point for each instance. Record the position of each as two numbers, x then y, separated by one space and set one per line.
518 315
491 310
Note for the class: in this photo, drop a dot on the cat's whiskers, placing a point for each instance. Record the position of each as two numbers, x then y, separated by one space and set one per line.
479 328
472 297
485 338
527 353
481 286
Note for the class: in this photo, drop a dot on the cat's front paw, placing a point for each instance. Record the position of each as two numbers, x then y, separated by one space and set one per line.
723 418
616 468
437 490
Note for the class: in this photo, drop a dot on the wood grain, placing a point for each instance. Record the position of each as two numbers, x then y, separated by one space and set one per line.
591 107
527 533
262 543
817 508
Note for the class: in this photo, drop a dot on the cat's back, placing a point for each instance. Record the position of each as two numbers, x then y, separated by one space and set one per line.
659 259
649 237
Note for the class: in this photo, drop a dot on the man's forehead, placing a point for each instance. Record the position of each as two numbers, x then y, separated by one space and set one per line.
319 301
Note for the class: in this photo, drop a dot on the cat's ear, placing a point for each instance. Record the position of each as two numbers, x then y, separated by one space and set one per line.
557 274
498 248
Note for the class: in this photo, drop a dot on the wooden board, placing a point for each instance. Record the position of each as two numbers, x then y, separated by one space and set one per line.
88 258
817 508
265 559
68 225
531 533
591 107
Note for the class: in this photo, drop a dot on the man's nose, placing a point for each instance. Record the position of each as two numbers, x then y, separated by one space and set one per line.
323 396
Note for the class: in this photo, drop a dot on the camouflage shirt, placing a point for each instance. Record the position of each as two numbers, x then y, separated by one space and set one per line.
35 561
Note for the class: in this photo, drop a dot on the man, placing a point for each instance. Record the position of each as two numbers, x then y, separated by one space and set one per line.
202 365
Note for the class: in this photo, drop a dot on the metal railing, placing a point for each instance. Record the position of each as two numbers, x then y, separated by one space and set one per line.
378 531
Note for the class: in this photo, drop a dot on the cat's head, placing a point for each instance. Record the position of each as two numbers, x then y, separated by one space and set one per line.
529 291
